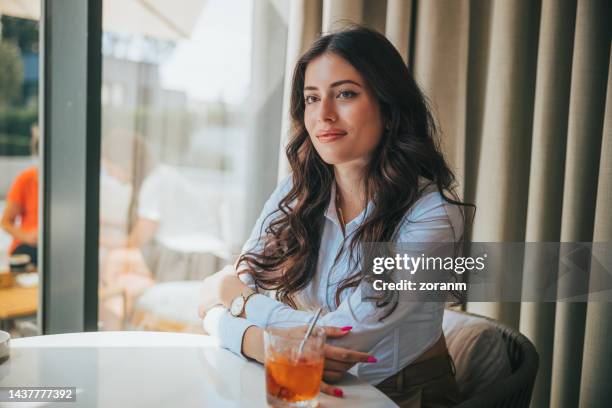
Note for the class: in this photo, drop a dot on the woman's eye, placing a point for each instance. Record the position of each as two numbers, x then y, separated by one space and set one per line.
346 94
310 99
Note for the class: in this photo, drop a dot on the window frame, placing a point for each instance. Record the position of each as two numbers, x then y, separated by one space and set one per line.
70 95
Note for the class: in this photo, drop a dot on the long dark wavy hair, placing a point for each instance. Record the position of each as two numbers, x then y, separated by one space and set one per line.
408 150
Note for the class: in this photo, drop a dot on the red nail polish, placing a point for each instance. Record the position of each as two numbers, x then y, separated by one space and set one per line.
372 359
346 328
338 393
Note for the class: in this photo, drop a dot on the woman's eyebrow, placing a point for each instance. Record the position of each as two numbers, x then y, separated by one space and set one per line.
333 85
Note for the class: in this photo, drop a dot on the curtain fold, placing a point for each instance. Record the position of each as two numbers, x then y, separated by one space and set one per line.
502 185
304 26
478 57
585 123
519 89
595 390
375 14
339 13
546 175
397 25
440 68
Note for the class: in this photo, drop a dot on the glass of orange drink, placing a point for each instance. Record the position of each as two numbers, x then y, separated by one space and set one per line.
293 373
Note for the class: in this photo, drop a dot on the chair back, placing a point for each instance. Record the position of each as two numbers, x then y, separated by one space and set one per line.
513 391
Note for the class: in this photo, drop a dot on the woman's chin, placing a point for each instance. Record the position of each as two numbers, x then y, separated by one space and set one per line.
333 159
341 159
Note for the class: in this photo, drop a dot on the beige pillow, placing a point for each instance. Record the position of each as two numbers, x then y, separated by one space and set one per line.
478 350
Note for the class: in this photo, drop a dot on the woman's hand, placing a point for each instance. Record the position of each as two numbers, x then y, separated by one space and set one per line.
338 360
220 289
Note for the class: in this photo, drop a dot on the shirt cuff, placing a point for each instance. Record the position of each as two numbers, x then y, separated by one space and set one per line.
229 330
259 308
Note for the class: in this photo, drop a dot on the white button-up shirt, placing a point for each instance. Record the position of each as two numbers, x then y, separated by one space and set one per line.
395 341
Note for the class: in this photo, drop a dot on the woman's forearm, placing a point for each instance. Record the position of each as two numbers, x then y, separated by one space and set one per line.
9 219
253 344
143 232
13 231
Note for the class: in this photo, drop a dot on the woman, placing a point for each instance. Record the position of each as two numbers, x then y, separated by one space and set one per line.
365 168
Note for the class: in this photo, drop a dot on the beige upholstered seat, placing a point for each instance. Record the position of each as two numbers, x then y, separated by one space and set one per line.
496 365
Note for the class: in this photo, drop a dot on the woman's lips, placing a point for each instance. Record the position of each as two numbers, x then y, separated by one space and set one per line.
330 135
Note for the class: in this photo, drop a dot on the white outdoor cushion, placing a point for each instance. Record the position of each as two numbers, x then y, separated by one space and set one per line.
171 302
478 351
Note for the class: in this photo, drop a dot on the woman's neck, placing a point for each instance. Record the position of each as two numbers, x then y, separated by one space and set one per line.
350 190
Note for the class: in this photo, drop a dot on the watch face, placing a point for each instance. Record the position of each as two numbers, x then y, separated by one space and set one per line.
236 306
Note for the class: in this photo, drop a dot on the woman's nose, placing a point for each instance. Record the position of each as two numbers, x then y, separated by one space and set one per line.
327 112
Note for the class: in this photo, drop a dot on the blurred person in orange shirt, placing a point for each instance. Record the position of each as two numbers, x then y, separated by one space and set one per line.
20 216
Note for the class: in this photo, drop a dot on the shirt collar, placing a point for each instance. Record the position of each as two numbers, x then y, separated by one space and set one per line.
332 214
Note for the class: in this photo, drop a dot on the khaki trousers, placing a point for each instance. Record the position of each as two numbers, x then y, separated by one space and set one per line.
426 384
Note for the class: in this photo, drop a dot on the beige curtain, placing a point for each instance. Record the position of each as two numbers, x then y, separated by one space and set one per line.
522 92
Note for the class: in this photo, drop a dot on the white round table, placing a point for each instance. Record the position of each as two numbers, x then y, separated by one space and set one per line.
150 369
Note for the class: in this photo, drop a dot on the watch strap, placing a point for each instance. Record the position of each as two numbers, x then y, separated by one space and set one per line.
246 299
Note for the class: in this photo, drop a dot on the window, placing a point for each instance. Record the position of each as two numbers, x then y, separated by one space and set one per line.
19 165
190 138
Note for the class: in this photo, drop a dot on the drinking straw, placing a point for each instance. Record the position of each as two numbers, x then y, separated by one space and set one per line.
308 332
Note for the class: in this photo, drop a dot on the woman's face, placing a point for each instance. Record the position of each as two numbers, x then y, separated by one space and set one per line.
342 115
